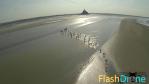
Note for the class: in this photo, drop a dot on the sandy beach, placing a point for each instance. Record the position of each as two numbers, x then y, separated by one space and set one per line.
128 48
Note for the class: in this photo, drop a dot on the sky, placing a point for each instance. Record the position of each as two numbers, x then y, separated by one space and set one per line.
21 9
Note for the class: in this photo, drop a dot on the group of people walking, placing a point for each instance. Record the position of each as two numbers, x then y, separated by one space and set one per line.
87 39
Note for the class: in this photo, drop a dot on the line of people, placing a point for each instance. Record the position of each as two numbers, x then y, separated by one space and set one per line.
87 39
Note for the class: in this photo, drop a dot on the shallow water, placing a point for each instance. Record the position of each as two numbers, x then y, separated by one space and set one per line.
40 54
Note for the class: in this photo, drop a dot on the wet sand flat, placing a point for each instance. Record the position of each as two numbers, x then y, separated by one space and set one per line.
42 54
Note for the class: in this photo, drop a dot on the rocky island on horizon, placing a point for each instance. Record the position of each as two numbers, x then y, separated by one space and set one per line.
84 12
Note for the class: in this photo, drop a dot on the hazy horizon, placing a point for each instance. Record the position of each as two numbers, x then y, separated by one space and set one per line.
22 9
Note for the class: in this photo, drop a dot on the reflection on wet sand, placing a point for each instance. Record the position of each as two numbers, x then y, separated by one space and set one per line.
98 64
100 57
